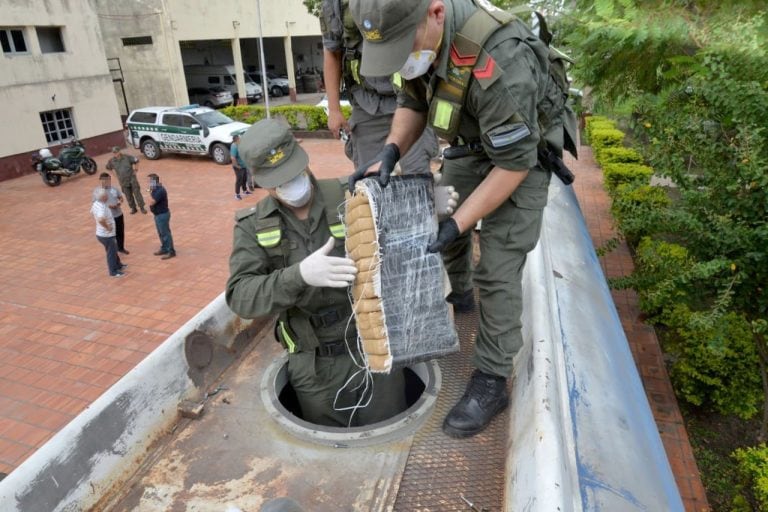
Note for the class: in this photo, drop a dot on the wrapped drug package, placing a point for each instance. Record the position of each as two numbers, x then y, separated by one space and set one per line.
399 292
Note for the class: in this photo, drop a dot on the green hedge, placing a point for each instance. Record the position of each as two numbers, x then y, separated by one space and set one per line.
634 208
620 156
616 174
593 123
714 361
753 471
603 138
299 117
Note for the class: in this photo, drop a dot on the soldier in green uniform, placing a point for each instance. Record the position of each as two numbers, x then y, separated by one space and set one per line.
288 258
373 99
125 169
481 80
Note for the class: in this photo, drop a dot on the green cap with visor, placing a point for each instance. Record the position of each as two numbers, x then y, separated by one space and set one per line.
389 30
272 154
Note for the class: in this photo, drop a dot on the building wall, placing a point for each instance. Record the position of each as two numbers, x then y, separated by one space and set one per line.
33 82
188 32
227 19
152 73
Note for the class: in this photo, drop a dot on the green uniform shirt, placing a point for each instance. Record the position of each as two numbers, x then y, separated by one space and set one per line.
266 280
123 167
375 95
501 107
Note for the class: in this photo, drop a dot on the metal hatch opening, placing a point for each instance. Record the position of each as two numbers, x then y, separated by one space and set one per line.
423 382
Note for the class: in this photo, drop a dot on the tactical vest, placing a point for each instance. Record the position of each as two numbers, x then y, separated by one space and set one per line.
467 58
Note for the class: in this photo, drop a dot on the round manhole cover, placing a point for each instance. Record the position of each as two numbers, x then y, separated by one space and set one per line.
428 380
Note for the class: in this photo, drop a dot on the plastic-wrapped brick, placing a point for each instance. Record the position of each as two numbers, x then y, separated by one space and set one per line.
399 293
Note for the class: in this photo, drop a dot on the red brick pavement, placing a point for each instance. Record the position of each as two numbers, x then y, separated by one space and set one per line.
595 205
68 331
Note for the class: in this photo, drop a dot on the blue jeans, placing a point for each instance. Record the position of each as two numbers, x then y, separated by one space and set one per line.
163 225
113 260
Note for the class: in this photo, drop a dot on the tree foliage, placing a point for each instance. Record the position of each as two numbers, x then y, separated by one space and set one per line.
692 79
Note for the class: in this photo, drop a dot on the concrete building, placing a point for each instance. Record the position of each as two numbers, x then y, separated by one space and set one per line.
55 84
149 43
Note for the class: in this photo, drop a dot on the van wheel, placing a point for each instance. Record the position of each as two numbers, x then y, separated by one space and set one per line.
220 154
150 149
276 91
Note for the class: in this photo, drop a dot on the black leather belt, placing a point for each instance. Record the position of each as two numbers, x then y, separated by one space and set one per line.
331 349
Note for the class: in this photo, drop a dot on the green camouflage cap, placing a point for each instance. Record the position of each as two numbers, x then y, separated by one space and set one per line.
271 153
389 29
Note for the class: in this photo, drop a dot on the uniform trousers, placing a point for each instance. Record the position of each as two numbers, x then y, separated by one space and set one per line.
508 234
317 379
132 192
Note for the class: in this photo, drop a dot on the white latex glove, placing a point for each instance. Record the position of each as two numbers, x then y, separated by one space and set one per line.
319 269
446 198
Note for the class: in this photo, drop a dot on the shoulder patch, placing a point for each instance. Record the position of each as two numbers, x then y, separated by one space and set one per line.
487 70
507 134
244 212
268 232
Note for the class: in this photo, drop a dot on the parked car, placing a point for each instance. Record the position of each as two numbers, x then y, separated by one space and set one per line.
276 85
221 76
214 97
191 130
323 103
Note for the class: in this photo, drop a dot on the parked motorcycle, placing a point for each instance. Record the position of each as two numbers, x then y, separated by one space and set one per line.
70 160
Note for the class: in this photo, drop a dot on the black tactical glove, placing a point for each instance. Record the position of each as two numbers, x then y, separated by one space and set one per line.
447 232
388 156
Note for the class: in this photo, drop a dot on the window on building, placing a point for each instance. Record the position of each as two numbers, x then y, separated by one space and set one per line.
50 39
58 125
12 40
137 41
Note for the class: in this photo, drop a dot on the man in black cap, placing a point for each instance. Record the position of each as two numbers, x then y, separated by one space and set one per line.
481 80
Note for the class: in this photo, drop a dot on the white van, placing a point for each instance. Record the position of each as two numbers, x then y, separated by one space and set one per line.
221 76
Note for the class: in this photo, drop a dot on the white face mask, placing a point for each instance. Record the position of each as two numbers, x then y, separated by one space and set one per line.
296 192
417 64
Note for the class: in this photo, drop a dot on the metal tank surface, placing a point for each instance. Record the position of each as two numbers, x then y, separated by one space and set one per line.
578 436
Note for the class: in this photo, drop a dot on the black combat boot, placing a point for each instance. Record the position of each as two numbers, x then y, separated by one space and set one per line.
485 397
463 302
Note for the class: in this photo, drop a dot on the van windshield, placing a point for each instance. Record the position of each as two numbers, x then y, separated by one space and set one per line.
212 119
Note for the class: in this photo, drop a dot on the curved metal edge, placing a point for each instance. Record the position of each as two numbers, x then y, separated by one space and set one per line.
104 444
582 435
395 428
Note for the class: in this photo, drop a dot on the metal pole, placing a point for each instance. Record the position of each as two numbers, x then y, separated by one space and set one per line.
264 81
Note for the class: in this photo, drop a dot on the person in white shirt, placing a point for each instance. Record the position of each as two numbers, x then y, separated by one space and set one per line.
114 200
105 231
